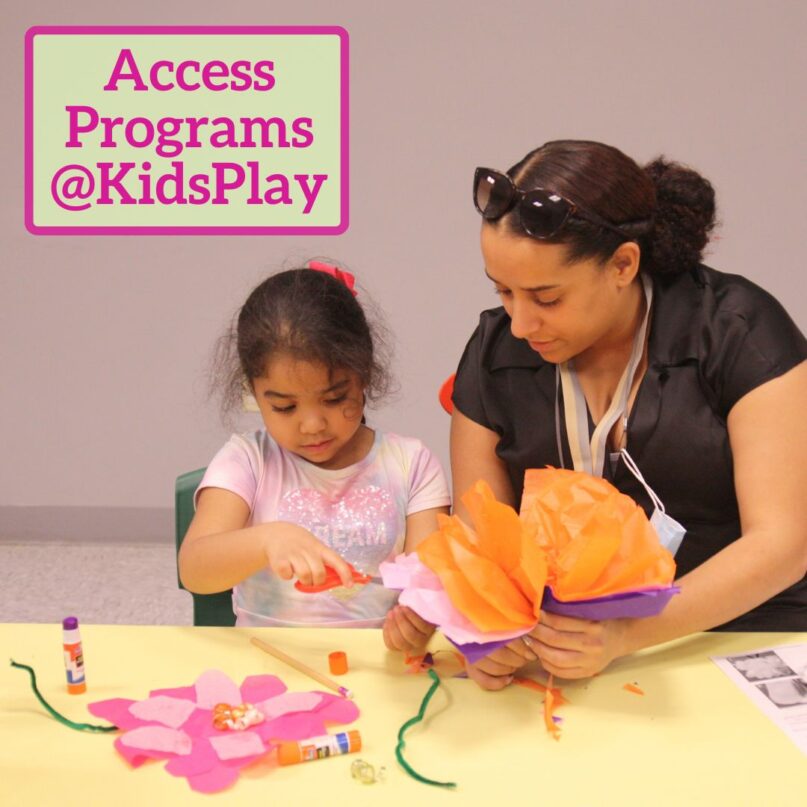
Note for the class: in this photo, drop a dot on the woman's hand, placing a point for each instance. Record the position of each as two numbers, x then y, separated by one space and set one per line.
404 630
293 552
496 670
577 648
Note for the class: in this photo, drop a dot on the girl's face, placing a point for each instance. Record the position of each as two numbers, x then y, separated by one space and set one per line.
311 412
561 310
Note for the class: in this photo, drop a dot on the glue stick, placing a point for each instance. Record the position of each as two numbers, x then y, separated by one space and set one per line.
328 745
73 656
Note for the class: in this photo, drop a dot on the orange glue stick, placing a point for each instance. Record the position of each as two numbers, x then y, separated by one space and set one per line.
327 745
73 656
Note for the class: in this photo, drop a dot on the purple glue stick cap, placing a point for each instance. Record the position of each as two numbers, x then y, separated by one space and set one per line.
70 623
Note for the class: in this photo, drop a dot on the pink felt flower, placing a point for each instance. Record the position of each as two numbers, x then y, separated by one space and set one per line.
177 725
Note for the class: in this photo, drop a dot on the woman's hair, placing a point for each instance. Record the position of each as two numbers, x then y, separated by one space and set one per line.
310 316
668 208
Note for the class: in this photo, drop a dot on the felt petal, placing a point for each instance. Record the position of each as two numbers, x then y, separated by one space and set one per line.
137 756
337 710
242 762
158 738
116 711
214 780
201 759
257 688
237 745
298 726
172 712
185 693
288 703
200 724
213 687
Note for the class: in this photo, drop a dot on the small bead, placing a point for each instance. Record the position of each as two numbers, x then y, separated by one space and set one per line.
365 772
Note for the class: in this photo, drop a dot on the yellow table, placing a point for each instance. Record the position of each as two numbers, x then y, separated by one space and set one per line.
693 738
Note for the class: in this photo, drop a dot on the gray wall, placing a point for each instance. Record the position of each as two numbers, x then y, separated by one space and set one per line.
104 340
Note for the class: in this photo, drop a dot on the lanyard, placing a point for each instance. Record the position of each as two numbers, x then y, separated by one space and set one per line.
589 455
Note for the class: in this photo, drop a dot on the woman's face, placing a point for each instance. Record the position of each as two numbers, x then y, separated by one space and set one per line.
561 309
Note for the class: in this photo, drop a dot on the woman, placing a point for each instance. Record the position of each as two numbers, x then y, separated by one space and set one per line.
613 336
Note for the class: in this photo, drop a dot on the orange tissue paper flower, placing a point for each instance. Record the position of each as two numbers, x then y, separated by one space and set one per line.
495 573
576 536
598 541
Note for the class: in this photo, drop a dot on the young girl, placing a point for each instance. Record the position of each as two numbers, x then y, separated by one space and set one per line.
316 487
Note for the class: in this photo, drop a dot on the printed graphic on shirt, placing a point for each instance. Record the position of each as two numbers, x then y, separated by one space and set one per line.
362 526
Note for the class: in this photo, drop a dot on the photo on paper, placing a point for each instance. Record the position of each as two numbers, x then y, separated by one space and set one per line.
786 693
761 666
775 680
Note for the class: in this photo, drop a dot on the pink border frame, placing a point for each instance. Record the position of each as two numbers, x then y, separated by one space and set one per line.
186 29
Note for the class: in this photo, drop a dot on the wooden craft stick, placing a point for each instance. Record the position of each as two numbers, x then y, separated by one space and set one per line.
300 667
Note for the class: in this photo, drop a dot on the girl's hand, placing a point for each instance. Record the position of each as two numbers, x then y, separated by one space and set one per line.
577 648
497 669
405 630
292 551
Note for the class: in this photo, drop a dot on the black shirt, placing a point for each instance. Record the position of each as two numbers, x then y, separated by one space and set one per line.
713 338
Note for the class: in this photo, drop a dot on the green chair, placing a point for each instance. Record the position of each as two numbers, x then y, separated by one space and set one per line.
208 609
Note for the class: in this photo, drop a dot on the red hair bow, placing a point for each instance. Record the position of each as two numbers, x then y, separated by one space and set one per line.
341 275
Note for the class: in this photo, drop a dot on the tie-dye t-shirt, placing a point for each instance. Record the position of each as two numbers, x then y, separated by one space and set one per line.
359 511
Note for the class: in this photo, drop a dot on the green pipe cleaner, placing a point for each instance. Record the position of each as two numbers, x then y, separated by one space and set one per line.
411 722
61 718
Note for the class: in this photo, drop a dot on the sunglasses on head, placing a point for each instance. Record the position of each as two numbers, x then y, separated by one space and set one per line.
543 213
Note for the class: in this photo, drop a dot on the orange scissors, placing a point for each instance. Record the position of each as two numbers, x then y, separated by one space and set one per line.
332 580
